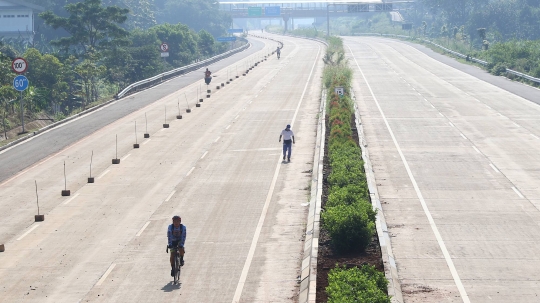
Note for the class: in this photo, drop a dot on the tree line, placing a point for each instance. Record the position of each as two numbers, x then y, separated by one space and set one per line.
90 49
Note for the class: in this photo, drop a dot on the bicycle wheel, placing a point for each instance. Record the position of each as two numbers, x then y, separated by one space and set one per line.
178 269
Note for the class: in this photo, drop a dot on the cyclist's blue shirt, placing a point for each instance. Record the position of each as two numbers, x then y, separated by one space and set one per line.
176 234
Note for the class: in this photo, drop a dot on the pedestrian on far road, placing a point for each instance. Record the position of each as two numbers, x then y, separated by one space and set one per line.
288 141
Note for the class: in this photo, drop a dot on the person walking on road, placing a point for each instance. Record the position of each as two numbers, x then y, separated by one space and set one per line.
288 140
176 236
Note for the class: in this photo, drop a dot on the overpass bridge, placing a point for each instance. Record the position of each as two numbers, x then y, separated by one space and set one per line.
317 9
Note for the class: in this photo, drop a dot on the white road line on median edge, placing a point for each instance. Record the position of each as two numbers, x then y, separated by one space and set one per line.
71 199
170 195
476 149
463 136
535 136
451 124
27 232
228 126
105 274
190 171
104 173
142 229
125 157
206 152
494 168
217 139
441 114
251 253
517 192
146 141
434 227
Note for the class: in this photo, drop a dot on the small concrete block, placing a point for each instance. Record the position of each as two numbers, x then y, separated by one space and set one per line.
2 248
179 117
147 135
66 193
136 145
201 100
222 84
39 218
90 179
208 91
188 110
165 125
115 161
198 105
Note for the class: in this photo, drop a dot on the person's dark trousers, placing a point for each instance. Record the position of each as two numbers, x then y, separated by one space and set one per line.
287 149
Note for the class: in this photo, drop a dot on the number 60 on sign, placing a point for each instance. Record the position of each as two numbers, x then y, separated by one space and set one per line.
20 83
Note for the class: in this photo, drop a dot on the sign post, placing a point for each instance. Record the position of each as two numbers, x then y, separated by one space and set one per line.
19 65
164 47
20 83
340 91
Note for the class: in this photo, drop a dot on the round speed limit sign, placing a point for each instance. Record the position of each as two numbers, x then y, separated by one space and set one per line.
19 65
164 47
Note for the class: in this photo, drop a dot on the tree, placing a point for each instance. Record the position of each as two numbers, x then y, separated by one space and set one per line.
91 26
182 42
206 43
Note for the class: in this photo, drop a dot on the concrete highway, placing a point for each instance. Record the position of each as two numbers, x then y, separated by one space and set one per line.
457 164
219 167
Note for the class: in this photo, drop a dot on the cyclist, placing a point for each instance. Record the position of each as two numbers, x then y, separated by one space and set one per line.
176 235
207 76
288 138
278 51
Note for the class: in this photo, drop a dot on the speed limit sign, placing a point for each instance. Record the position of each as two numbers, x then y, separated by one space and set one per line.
164 47
19 65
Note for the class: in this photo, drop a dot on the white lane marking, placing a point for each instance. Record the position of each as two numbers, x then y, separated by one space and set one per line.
251 253
228 126
71 199
236 117
441 114
451 124
28 231
105 274
516 124
161 130
206 152
142 229
125 157
476 149
463 136
190 171
500 115
432 105
170 195
217 139
146 141
535 136
488 106
434 227
517 192
494 168
103 173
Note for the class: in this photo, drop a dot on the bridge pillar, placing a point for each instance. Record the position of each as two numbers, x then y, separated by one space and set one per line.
286 19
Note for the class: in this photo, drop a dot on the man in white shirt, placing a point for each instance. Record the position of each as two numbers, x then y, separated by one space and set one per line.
288 140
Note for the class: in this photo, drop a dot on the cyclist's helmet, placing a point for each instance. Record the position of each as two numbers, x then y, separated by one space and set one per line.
176 218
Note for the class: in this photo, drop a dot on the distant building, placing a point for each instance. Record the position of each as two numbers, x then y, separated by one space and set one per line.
17 19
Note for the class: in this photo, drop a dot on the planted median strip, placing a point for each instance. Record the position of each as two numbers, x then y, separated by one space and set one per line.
348 218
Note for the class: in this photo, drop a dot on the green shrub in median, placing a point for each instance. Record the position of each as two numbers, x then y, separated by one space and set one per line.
366 285
348 195
351 227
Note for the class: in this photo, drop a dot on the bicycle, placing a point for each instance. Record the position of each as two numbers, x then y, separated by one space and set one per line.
177 268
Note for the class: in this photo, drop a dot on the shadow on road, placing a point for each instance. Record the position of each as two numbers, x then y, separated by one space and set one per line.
171 287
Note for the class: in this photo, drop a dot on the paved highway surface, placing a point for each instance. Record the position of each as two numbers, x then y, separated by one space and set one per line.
457 164
219 167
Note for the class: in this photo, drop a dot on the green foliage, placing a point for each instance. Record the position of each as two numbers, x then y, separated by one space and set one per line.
91 26
353 285
351 227
348 195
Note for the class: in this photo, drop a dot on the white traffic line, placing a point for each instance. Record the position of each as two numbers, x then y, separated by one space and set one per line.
190 171
476 149
236 117
434 228
125 157
215 141
518 192
463 136
71 199
28 231
103 173
142 229
535 136
494 168
451 124
516 124
441 114
170 196
146 141
432 105
105 274
251 253
228 126
206 152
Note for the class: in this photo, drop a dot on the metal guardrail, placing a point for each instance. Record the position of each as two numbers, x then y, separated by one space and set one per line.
485 63
178 71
